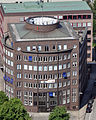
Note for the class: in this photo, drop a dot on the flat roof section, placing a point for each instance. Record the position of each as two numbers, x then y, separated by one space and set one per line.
47 6
20 33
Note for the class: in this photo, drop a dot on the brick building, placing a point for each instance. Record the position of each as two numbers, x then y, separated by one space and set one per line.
77 13
45 63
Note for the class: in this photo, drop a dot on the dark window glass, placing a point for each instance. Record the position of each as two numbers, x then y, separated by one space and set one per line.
70 17
88 39
74 17
88 47
65 17
46 48
89 16
84 16
54 47
79 16
89 32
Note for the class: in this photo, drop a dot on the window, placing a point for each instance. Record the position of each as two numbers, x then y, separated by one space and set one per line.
25 58
89 16
68 65
55 67
79 24
74 82
46 48
30 67
50 68
11 63
18 75
39 48
88 47
25 67
64 66
65 17
35 68
59 47
18 84
25 75
54 47
89 32
28 48
35 77
70 17
74 25
35 59
40 59
50 59
88 24
45 59
55 58
79 16
59 57
74 46
74 92
84 24
30 85
18 48
68 74
40 77
18 57
68 56
45 77
18 67
45 68
65 47
74 73
74 64
30 58
84 16
34 48
25 84
74 17
60 67
30 76
11 72
68 82
8 53
40 68
74 55
64 83
65 57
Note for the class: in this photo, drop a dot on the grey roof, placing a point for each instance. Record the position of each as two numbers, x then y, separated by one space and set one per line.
20 33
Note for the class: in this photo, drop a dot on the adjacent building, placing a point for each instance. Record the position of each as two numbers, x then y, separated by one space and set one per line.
45 63
78 13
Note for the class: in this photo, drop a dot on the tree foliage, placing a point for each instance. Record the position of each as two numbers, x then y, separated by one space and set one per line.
3 97
94 4
59 113
13 110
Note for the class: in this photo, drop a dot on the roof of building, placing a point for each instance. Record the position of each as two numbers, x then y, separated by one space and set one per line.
47 6
20 33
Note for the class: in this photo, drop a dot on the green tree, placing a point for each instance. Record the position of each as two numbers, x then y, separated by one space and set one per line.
3 97
94 4
13 110
59 113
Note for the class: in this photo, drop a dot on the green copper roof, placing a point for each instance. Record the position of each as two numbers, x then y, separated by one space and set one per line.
47 6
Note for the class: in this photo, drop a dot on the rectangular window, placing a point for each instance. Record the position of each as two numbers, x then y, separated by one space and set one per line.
25 58
88 24
50 59
74 55
65 57
55 67
35 68
60 67
18 67
8 53
34 48
28 48
40 59
35 59
50 68
30 58
45 59
30 76
84 24
68 65
18 57
18 75
45 77
74 73
64 66
65 47
45 68
68 74
25 67
30 67
35 77
79 24
74 64
59 47
39 48
11 63
40 68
